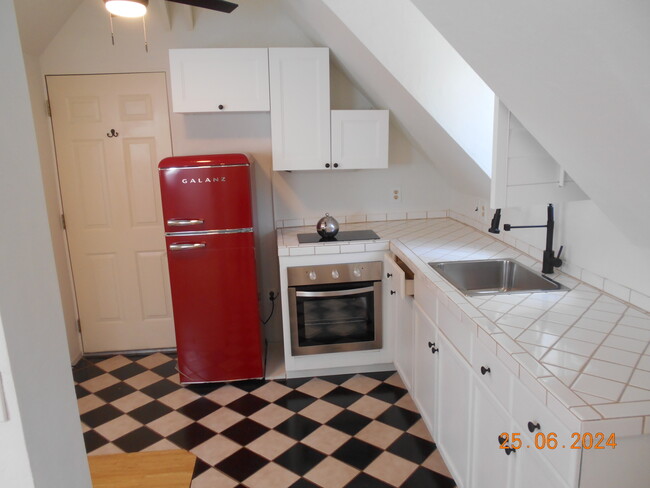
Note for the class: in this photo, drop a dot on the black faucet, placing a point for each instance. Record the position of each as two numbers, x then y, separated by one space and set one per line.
550 261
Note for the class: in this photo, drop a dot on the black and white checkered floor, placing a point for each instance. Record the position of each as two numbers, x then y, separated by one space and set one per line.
356 430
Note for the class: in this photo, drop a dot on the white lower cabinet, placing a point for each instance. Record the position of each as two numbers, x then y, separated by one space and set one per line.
453 410
425 370
533 471
492 458
399 307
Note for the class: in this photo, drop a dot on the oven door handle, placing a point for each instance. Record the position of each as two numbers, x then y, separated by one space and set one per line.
336 293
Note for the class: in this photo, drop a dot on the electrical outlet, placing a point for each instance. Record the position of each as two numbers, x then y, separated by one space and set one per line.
396 195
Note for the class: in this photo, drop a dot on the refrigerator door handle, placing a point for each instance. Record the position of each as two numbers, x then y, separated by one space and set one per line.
184 222
186 246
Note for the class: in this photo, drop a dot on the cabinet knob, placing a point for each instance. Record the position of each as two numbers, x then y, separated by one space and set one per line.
388 275
327 165
509 450
220 107
485 370
533 427
392 292
336 165
502 439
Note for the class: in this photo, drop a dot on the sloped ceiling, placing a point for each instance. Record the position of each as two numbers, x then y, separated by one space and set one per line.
40 20
381 87
577 75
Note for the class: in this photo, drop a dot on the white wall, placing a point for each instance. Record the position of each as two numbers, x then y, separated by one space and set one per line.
595 250
52 198
33 352
415 53
576 74
14 468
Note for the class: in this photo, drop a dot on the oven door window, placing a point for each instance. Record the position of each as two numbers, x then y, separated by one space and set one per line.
328 315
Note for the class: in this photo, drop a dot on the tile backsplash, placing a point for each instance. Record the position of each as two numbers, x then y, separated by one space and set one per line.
606 285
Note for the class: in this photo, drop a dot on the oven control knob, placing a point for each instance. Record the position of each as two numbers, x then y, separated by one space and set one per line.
335 274
356 272
312 275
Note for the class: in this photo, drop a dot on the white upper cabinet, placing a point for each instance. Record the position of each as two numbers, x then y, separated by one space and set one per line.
300 108
359 139
219 80
523 172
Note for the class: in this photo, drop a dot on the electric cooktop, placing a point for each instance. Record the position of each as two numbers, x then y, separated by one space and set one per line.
344 235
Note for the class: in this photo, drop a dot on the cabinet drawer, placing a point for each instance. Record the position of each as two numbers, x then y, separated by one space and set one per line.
527 409
492 373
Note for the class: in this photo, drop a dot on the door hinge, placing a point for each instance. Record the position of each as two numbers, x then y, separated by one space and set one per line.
48 108
79 325
63 222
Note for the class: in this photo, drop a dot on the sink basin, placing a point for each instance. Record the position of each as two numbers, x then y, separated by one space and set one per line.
494 277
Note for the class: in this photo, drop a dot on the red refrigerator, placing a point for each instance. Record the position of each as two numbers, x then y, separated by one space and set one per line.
207 209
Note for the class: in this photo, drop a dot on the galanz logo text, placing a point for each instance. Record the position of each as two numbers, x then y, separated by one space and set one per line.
186 181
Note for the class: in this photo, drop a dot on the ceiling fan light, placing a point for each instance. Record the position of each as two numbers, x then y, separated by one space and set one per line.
127 8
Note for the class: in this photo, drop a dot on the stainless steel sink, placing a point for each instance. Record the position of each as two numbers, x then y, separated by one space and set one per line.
494 277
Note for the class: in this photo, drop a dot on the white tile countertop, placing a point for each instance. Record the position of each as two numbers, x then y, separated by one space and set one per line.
584 351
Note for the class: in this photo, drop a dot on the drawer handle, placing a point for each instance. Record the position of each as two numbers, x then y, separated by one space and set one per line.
392 292
485 370
432 346
388 275
532 427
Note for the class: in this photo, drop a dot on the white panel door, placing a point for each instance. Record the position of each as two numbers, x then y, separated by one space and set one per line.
110 132
300 108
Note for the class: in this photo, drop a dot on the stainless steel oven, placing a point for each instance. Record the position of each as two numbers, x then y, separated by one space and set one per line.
335 308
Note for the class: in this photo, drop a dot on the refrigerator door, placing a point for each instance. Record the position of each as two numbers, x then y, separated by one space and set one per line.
202 193
214 291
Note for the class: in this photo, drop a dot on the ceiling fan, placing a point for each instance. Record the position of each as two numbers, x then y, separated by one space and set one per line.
137 8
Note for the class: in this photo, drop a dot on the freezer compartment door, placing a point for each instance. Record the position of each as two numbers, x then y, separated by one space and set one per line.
214 295
206 198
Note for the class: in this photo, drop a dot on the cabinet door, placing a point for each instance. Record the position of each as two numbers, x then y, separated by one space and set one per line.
359 139
300 108
453 409
399 311
425 352
491 465
219 80
532 471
